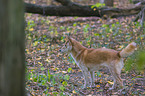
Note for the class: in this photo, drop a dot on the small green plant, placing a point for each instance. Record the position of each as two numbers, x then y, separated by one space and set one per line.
66 77
86 28
55 93
98 74
50 81
75 24
136 61
62 88
31 24
98 5
141 60
62 27
69 70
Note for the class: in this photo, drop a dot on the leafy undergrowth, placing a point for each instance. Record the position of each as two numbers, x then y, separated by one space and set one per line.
51 73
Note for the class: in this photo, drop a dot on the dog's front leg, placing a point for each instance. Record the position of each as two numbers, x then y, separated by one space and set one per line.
86 80
85 75
92 78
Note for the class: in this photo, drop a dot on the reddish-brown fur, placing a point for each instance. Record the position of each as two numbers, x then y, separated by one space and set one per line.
90 59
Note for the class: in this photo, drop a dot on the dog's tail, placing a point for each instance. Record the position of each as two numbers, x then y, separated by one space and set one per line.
127 51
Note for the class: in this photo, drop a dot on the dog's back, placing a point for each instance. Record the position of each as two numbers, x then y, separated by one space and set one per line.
97 57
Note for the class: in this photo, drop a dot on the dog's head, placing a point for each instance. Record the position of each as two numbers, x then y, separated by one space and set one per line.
67 46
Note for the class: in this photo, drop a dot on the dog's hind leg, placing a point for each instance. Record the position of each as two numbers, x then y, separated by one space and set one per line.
115 72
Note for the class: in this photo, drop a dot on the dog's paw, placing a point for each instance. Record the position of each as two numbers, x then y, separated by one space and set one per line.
121 89
86 87
92 86
111 88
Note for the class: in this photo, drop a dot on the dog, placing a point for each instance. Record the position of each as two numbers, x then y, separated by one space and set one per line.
89 60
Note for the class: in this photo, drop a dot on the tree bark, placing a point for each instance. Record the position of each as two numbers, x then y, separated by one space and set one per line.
74 9
61 10
12 49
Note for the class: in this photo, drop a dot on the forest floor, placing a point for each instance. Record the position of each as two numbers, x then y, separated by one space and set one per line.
50 72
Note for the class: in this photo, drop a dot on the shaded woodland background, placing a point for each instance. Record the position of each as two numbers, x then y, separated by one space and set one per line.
50 72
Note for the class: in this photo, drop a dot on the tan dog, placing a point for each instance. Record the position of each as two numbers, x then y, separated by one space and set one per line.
89 60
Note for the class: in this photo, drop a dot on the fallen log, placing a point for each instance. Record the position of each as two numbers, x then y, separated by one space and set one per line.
68 8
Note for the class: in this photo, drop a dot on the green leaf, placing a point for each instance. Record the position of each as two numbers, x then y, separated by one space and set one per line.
35 79
98 74
105 25
66 77
139 77
76 17
69 69
62 28
42 68
61 94
87 26
98 5
93 6
64 83
117 22
53 81
61 87
62 38
113 25
48 75
35 43
55 93
75 24
96 34
44 36
43 82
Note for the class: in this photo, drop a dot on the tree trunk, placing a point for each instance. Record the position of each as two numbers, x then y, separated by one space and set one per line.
12 57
